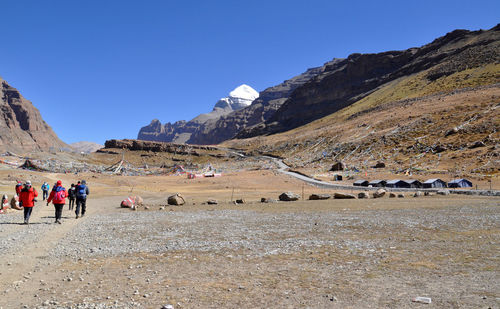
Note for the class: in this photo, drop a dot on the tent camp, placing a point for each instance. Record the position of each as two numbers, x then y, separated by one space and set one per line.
397 183
377 183
361 183
460 183
413 183
434 183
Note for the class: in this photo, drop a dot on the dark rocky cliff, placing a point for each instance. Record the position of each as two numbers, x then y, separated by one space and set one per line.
345 82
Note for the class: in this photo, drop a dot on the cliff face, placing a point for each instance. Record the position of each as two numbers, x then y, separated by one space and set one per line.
21 125
344 82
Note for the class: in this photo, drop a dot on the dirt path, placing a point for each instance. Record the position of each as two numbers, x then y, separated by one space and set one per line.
27 265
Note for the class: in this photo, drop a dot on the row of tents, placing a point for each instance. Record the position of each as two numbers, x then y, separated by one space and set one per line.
412 183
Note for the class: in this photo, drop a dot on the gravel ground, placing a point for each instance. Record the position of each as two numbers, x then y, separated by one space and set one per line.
324 254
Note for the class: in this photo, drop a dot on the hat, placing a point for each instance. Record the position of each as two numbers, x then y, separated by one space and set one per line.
84 182
28 183
59 183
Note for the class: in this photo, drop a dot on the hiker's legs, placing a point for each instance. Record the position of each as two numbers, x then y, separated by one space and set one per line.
27 213
71 203
84 206
78 205
59 208
45 194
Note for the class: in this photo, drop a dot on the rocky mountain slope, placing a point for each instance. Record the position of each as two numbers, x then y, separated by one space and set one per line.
21 125
181 131
228 126
345 82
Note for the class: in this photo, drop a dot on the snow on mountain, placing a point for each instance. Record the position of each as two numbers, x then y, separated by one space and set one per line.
241 97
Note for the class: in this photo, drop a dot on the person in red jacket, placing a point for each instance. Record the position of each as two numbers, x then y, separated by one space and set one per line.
27 198
58 198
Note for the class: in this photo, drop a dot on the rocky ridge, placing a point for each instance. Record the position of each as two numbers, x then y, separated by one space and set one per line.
21 125
345 82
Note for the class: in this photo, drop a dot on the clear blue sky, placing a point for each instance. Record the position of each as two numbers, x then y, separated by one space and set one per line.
98 70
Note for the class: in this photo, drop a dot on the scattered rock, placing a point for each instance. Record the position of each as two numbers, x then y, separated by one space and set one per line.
418 194
451 132
401 195
443 192
379 193
212 202
391 195
379 165
423 300
267 200
363 195
289 196
439 148
176 199
339 166
477 145
337 195
240 201
314 197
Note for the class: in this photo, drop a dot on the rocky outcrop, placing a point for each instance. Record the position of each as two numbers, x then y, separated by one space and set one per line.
344 82
182 131
21 125
132 144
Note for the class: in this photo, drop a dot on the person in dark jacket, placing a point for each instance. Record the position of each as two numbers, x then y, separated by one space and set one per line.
58 198
72 196
81 198
27 197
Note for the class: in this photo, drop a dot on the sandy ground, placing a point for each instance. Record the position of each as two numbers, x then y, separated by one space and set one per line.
376 253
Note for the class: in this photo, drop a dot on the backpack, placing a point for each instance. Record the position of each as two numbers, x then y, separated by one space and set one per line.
59 197
81 191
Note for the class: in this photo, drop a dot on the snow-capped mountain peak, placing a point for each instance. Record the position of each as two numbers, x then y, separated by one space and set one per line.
242 96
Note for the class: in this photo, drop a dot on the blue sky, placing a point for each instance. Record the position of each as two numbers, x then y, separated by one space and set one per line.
99 70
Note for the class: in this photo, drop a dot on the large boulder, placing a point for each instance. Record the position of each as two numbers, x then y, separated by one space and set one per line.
418 194
132 202
379 193
176 199
379 165
363 195
314 197
443 192
338 195
289 196
392 195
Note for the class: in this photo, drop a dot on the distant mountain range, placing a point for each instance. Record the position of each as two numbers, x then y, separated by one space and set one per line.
86 147
324 90
182 131
21 125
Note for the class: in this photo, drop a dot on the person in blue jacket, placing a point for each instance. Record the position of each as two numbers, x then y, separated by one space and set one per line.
45 190
81 198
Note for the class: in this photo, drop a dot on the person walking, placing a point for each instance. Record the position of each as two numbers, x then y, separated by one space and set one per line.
45 190
58 198
27 198
19 187
81 198
72 196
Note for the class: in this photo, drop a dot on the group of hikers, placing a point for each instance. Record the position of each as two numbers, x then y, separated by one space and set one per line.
27 198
